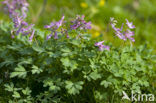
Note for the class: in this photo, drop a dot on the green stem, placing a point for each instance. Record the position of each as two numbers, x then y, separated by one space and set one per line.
41 10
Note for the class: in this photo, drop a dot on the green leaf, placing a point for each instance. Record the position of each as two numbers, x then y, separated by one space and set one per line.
25 61
52 84
65 62
8 61
16 94
10 87
38 49
36 70
65 50
73 65
19 72
74 88
105 83
94 75
75 42
26 91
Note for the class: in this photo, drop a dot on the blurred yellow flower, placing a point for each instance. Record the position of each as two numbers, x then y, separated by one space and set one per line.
95 34
102 3
84 5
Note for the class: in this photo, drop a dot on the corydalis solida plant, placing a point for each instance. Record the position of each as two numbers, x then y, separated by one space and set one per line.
101 46
13 6
80 23
124 35
17 11
53 27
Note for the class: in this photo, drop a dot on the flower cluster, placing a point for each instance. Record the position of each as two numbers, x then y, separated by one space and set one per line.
80 23
124 35
21 26
101 46
53 28
17 10
16 5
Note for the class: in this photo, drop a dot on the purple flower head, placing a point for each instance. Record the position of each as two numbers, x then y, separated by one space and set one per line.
79 22
17 20
67 36
12 36
28 28
24 23
49 26
17 10
24 28
55 35
129 35
16 5
49 36
54 26
18 30
130 24
118 31
124 35
26 33
32 35
88 25
101 46
120 35
99 43
75 26
59 23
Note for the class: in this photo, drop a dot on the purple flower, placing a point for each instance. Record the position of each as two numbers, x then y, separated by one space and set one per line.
99 43
88 25
118 31
55 35
67 35
130 24
26 29
19 30
12 36
24 23
75 26
32 35
59 23
124 35
79 22
17 10
17 21
49 36
120 35
49 26
129 35
101 46
16 5
53 27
